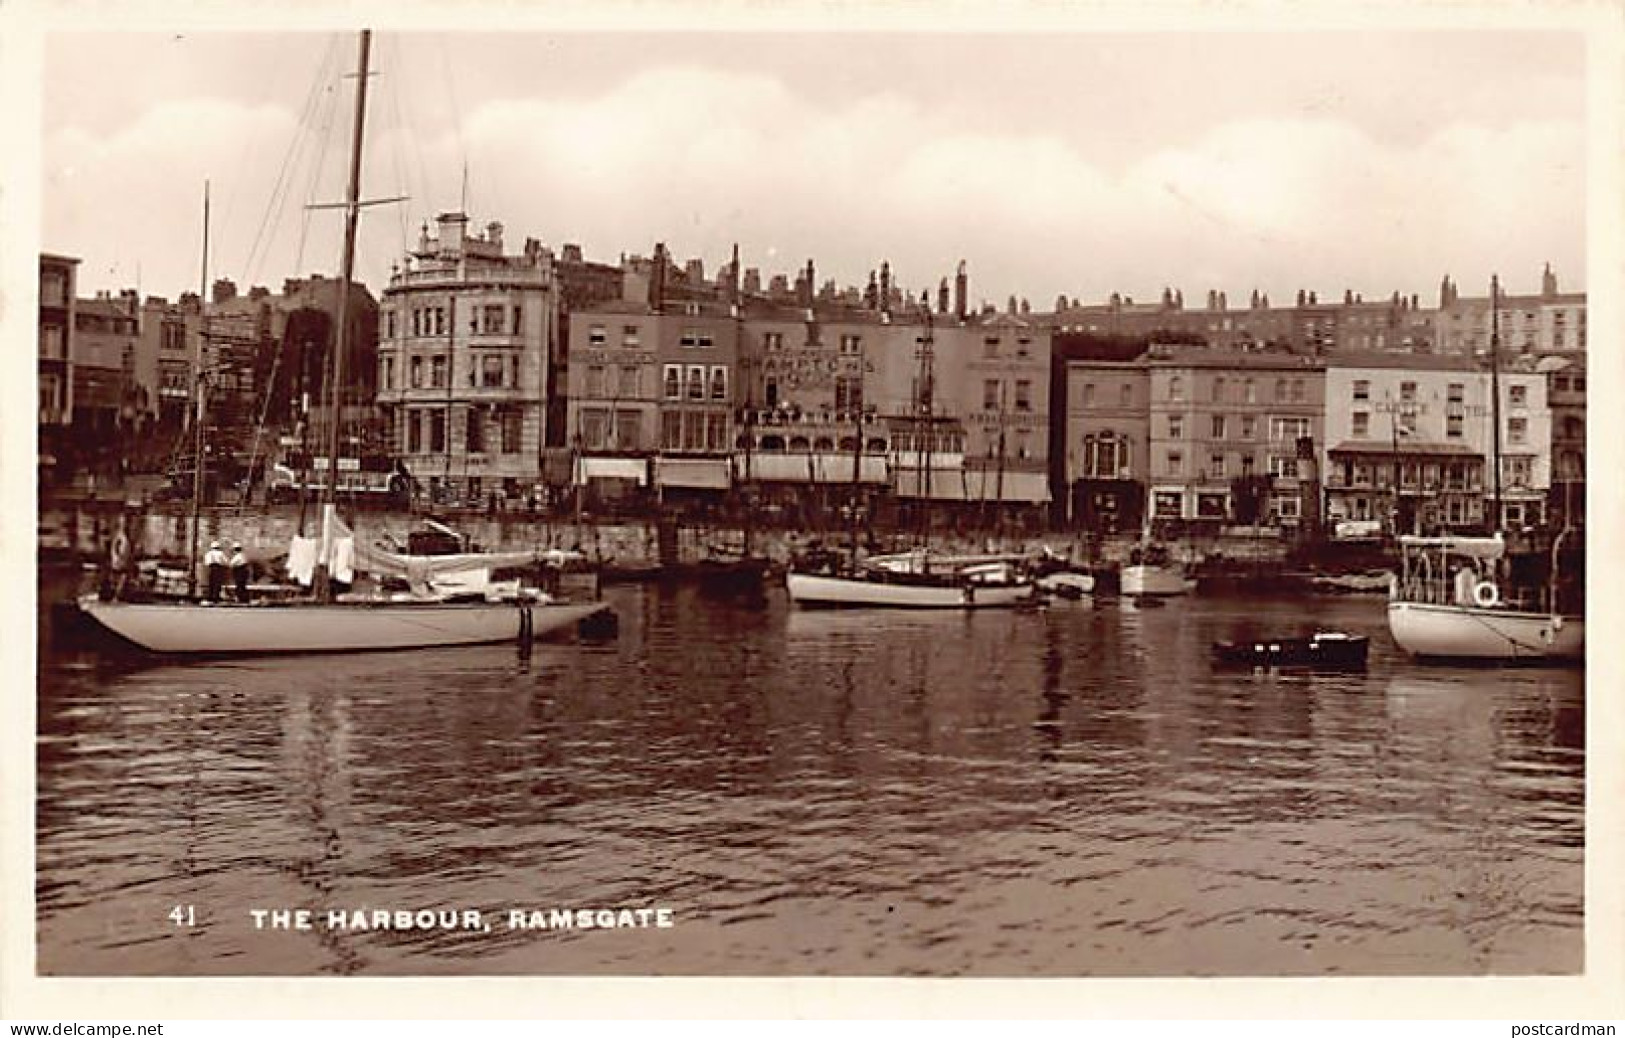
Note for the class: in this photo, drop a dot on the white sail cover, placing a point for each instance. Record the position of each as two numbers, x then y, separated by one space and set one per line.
351 556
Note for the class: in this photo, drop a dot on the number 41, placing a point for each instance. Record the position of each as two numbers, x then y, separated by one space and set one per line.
183 915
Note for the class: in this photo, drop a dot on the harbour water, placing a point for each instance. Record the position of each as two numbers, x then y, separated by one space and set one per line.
1069 792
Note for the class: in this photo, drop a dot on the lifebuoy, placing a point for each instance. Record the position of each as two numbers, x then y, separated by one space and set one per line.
1486 595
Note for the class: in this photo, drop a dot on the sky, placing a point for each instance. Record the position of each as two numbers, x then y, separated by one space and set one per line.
1053 162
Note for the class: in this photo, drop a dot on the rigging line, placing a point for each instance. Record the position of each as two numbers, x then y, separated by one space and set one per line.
277 200
324 138
259 429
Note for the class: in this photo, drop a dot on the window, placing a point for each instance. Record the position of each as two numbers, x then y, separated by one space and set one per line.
719 383
594 428
1362 389
512 430
1362 424
1176 388
1251 391
673 381
1218 427
694 339
414 432
389 372
1517 430
1218 389
1215 468
694 423
1168 504
1297 389
1452 426
518 325
1455 393
990 394
1280 389
1023 346
1405 423
851 345
716 431
990 346
1288 428
417 321
417 372
440 320
773 340
696 382
1024 395
1088 394
1176 463
1560 383
1249 426
437 432
1517 471
1518 396
491 371
594 387
671 430
1284 466
848 393
1407 392
389 324
1126 395
1176 427
437 372
491 318
596 336
474 434
628 431
630 384
630 337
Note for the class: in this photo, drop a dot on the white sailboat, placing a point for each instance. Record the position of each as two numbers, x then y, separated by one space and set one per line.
416 620
1447 604
1452 599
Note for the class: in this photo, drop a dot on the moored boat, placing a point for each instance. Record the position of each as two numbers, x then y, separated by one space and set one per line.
1323 649
197 628
965 591
1454 600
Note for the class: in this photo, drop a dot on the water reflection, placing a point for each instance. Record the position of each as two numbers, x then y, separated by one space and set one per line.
1074 791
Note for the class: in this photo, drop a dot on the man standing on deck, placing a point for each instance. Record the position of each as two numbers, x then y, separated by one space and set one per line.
214 571
239 571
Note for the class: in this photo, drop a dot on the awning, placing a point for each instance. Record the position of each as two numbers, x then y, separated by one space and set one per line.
1405 445
975 485
694 473
612 468
810 468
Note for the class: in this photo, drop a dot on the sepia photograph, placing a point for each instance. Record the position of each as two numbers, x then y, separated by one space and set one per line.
1091 495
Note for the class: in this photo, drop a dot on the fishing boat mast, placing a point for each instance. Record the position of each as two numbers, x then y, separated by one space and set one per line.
198 404
323 583
1495 394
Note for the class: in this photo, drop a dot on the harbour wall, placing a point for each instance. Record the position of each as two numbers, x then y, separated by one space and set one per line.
83 529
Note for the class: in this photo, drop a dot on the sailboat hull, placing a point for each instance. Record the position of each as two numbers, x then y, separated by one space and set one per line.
228 629
1466 633
815 590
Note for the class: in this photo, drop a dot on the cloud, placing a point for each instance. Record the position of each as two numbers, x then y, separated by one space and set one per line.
700 158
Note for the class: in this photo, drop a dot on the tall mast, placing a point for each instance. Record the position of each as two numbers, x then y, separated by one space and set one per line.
1495 391
924 448
197 391
323 584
